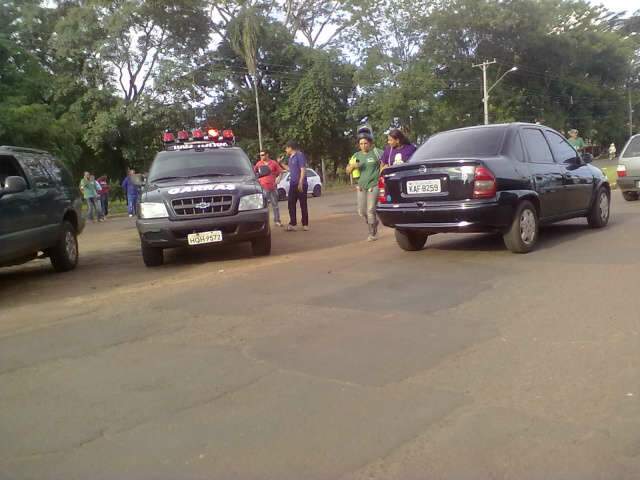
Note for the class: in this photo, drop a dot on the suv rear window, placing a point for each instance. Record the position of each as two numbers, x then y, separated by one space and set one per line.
633 149
475 142
184 164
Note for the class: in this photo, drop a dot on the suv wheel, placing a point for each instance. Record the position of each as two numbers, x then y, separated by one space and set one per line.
523 234
599 215
630 196
152 256
411 241
64 255
261 246
317 191
282 194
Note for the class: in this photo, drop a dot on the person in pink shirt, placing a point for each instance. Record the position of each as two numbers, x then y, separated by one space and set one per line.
270 182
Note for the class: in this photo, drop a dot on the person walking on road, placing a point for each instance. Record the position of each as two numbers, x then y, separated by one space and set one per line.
104 194
270 182
131 191
298 186
398 150
368 161
612 151
89 191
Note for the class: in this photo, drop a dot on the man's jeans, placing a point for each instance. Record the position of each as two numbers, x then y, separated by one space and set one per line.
95 211
131 204
104 201
367 201
272 197
294 196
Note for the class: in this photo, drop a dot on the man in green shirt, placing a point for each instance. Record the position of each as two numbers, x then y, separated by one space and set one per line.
576 141
367 160
89 191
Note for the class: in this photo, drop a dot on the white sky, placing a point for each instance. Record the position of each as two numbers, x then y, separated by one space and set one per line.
619 5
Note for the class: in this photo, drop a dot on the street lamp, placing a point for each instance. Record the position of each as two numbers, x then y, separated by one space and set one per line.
484 66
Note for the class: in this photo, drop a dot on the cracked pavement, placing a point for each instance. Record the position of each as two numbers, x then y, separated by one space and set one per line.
333 358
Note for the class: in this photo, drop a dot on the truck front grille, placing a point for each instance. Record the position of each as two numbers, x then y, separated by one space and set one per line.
197 206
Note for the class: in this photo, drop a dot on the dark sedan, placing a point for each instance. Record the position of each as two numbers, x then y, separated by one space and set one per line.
496 178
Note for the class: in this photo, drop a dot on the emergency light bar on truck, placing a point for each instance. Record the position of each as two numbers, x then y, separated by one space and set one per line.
198 138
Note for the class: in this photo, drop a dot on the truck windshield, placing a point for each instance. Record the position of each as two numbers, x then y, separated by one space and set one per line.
471 142
187 164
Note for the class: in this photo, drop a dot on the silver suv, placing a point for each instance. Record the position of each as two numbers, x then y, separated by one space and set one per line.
629 169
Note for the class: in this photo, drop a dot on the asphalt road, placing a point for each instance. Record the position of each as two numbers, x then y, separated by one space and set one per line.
333 358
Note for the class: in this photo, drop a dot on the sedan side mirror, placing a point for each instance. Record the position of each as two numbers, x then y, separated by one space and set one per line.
263 171
587 158
13 185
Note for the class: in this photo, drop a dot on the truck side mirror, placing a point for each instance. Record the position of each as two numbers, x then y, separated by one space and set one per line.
13 185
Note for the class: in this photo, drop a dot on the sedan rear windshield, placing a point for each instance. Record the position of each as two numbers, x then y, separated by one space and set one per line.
633 149
186 164
472 142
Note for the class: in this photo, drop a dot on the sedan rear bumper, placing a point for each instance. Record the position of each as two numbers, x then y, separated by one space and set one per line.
478 217
628 184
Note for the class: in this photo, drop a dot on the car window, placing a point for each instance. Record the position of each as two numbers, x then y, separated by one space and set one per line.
181 164
311 173
476 142
632 149
9 168
562 151
35 169
57 170
516 148
537 146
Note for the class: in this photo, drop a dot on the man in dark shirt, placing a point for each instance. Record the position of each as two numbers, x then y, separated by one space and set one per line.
298 186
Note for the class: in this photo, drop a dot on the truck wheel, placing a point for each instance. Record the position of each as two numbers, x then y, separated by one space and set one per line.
64 255
282 194
411 241
317 191
261 246
630 196
599 215
523 233
152 256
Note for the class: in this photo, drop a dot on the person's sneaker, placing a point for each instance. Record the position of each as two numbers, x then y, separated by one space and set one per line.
291 228
371 238
278 224
130 215
305 228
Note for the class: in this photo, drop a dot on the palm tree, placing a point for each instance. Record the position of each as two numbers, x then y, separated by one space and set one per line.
243 38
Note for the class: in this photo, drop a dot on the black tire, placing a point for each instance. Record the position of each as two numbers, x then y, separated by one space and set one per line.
317 191
630 196
261 246
411 241
64 254
600 210
282 194
523 233
151 256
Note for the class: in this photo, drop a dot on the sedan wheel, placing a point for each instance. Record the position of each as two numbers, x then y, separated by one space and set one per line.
599 215
523 233
630 196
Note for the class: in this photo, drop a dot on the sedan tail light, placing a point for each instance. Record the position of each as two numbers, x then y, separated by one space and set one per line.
382 197
484 185
621 171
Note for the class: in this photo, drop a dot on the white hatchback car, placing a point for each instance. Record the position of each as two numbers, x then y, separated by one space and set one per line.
313 179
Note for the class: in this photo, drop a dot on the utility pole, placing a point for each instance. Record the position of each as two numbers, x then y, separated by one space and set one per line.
630 112
484 65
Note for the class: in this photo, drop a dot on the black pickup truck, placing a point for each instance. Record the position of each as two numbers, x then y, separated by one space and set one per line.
40 209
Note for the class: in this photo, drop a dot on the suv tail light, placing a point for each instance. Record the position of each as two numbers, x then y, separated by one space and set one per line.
484 185
382 196
621 171
167 137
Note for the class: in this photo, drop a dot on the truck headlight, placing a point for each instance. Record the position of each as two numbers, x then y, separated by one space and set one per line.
251 202
153 210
